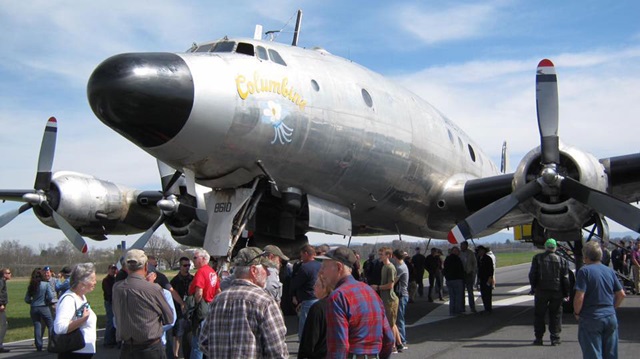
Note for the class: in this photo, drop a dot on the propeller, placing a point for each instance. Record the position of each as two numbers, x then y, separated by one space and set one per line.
170 205
549 180
42 185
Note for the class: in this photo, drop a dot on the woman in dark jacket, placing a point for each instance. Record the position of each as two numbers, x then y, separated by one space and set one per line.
39 296
313 343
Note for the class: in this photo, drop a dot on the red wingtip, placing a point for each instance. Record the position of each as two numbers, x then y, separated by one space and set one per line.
452 238
85 248
545 63
52 119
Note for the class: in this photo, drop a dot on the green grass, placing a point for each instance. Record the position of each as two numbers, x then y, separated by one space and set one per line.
509 259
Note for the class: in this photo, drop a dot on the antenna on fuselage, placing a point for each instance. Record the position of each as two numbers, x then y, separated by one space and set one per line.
257 33
504 161
296 32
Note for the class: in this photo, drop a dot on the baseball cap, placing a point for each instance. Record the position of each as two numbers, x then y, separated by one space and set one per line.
341 254
251 256
135 259
46 268
550 243
276 251
65 270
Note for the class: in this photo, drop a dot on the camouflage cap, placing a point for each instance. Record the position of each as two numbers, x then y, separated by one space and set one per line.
275 250
251 256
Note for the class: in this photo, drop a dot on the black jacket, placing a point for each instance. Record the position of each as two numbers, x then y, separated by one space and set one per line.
550 272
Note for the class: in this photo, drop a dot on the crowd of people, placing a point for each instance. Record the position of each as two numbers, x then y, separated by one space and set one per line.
344 309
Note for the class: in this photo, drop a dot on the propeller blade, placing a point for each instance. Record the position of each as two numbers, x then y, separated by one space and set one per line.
485 217
45 160
547 107
192 212
9 216
142 241
603 203
190 177
168 176
66 228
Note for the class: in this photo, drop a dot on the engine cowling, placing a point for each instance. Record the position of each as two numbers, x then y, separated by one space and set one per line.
552 210
96 207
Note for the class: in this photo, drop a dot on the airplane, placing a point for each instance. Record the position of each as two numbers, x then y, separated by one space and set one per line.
290 140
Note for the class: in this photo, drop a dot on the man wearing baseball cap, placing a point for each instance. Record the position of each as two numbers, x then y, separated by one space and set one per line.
356 322
549 279
275 257
244 321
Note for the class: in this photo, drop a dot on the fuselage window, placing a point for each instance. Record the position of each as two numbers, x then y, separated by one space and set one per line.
204 48
367 98
472 153
460 143
450 136
244 48
275 57
315 86
262 53
224 46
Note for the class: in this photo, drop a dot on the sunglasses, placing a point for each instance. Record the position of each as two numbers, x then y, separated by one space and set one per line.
8 273
186 265
263 254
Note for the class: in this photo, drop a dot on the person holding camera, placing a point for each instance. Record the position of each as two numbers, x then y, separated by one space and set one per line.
74 312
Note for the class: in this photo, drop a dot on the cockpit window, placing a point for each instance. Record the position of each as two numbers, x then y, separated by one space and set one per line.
262 53
275 57
204 48
244 48
224 46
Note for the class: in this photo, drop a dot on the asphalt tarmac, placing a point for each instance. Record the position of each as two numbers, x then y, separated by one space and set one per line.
432 333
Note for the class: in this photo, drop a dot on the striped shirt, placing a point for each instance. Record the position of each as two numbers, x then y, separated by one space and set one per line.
356 321
139 310
244 321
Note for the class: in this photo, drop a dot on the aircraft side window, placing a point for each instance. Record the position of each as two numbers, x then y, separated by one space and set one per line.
204 48
224 46
472 153
244 48
315 85
460 143
367 98
450 136
275 57
262 53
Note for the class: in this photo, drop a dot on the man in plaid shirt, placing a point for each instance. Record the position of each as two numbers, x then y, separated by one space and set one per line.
245 321
356 321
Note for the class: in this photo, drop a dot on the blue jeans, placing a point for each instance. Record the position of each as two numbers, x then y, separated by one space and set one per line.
195 348
302 316
456 296
110 330
400 322
38 313
469 281
598 337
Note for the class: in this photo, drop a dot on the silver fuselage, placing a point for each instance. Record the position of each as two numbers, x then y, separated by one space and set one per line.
310 124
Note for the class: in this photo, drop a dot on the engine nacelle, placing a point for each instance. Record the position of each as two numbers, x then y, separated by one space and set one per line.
96 207
557 212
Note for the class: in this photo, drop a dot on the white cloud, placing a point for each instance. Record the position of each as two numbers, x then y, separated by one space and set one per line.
434 25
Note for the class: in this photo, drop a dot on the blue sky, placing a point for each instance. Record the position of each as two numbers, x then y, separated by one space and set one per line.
473 60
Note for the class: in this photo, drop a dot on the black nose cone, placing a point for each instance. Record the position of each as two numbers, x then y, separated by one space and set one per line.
146 97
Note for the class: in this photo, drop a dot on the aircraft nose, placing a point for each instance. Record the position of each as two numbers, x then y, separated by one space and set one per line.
146 97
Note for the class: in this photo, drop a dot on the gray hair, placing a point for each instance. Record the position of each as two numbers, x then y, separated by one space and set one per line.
201 252
241 272
81 273
592 251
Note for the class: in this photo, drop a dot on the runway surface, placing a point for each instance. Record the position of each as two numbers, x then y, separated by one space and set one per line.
432 333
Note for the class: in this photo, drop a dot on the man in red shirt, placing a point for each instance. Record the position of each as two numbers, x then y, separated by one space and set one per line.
204 286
